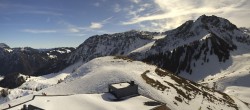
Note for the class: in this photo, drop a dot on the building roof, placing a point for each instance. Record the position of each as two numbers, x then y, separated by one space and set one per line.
121 85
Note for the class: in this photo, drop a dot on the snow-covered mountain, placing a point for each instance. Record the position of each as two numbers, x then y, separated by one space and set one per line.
111 44
196 46
176 92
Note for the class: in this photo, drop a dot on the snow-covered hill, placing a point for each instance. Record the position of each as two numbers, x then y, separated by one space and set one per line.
176 92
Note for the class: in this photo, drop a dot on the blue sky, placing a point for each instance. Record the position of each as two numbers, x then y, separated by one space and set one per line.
63 23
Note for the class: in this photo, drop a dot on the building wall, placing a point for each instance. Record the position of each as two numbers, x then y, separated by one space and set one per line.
123 92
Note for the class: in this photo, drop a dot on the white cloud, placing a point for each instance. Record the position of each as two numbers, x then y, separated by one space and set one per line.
117 8
135 1
95 25
70 27
106 20
99 25
78 30
74 30
172 13
41 12
36 31
97 4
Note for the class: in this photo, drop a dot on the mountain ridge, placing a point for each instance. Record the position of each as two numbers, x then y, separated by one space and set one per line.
3 45
29 61
182 46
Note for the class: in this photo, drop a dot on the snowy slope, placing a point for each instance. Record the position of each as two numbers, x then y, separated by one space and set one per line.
143 49
241 93
32 85
89 102
236 75
177 93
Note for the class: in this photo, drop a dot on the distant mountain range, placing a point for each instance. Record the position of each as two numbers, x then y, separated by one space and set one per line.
31 61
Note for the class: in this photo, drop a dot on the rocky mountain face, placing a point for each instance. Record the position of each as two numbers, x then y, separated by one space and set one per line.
12 80
209 38
185 57
31 61
245 30
3 45
111 44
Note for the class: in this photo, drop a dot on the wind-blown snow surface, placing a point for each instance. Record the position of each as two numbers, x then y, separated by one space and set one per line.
177 93
89 102
147 47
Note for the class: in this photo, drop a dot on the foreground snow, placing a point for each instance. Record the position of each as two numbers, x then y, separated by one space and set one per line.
32 85
178 94
88 102
240 92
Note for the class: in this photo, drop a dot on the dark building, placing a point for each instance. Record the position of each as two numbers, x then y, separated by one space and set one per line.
31 107
125 89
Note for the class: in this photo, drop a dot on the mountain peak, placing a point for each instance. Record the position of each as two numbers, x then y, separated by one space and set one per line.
3 45
215 21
